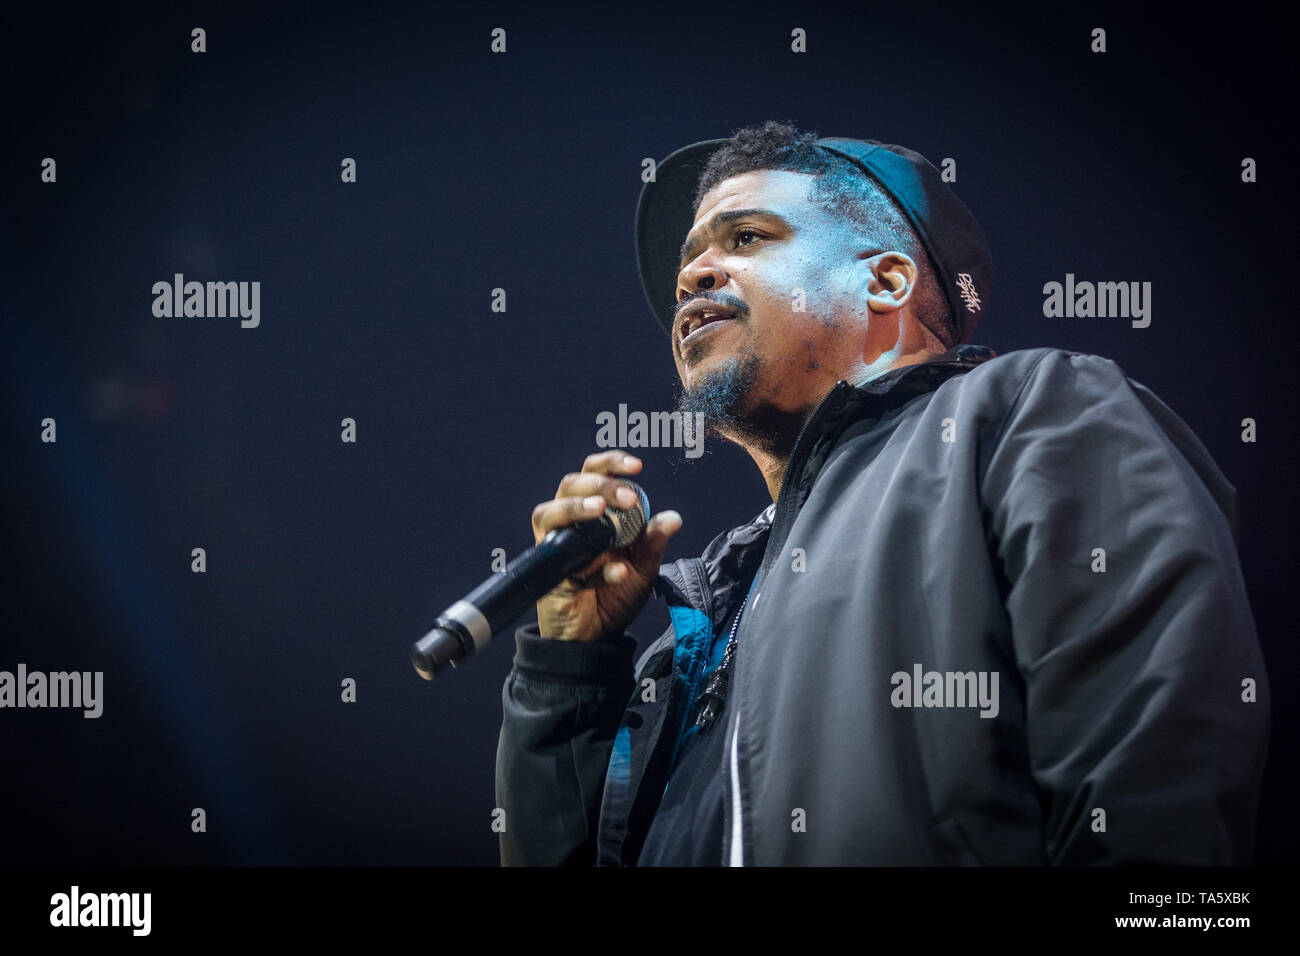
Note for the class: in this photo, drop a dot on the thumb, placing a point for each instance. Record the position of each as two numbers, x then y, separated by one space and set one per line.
649 549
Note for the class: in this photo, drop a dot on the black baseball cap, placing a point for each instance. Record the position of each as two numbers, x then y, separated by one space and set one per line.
949 233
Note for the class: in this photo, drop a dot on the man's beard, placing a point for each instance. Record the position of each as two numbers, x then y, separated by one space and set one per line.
725 396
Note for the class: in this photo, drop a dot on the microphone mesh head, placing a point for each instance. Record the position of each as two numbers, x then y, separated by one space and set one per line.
628 522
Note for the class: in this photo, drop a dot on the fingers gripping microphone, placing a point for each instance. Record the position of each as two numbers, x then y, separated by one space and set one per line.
470 623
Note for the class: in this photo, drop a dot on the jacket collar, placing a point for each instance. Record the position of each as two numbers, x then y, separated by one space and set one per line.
846 403
731 560
894 387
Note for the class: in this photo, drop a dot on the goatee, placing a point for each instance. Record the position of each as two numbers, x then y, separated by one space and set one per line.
725 397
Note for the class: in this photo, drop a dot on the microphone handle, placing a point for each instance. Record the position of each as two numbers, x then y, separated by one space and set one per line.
469 624
537 570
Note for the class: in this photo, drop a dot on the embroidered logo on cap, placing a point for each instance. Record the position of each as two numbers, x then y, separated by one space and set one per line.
968 293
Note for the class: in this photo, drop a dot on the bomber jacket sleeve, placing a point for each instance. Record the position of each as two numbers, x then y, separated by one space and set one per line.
1146 700
562 702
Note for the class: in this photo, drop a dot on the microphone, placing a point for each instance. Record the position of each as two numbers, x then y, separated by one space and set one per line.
471 622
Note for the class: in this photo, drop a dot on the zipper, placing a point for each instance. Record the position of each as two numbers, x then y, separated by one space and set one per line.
737 834
736 843
792 468
735 850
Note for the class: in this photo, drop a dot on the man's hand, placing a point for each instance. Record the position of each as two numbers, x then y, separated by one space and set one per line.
608 593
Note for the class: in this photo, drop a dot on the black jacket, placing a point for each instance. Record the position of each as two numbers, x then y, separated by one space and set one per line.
1036 526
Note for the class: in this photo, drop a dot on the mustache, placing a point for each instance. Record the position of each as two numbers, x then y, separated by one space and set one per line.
717 298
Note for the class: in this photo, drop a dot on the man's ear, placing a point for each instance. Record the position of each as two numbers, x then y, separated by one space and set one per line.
891 281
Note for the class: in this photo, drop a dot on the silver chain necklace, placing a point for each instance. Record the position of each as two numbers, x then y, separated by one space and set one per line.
714 694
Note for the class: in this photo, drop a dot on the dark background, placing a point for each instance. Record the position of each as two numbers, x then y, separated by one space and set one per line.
521 171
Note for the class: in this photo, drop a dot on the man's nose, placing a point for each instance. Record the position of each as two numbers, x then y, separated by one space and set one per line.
701 275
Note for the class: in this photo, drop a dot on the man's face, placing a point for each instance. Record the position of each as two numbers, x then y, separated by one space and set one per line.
792 278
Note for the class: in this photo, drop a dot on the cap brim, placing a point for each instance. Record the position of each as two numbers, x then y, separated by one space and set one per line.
664 215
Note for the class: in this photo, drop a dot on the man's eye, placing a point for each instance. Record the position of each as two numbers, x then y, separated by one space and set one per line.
745 232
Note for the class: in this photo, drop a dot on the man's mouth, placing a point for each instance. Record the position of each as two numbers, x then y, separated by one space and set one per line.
699 318
697 328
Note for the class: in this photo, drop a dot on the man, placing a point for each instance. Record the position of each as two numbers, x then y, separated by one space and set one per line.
994 614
